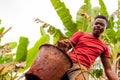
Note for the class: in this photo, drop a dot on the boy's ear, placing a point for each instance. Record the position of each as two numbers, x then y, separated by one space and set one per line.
106 27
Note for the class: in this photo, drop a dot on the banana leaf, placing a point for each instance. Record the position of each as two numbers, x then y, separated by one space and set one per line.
57 36
2 29
83 13
111 22
95 11
42 32
103 10
118 36
118 3
118 28
111 36
0 21
21 52
64 15
32 52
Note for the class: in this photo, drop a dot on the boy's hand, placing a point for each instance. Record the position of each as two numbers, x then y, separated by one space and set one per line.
63 45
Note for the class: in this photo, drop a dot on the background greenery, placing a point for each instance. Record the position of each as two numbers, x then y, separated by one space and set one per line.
14 65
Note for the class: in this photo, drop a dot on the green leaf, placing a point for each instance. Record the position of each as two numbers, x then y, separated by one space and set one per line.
83 13
118 35
2 29
87 7
22 49
32 52
55 3
68 34
13 45
95 11
51 30
79 22
98 72
42 32
111 22
82 22
57 36
118 3
1 60
0 21
118 21
103 10
110 35
64 15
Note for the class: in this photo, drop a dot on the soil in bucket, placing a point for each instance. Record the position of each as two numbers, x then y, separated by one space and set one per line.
51 63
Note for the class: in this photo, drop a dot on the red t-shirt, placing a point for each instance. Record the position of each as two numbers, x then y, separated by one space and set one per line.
88 48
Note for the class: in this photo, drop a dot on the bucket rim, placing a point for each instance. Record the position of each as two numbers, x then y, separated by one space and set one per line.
60 50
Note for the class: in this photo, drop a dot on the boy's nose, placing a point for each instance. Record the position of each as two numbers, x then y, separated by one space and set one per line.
98 26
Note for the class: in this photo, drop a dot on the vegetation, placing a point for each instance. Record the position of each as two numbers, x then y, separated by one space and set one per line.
11 63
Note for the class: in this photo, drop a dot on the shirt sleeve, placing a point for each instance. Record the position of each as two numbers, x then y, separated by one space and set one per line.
106 53
74 39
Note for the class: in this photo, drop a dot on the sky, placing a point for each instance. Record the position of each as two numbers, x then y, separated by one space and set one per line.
20 14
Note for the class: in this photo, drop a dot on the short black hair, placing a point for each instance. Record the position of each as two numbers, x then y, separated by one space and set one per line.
102 17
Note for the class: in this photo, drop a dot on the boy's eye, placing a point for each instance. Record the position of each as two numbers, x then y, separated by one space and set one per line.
96 23
102 24
99 23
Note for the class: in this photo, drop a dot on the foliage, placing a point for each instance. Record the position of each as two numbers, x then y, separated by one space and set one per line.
21 52
7 64
84 19
32 52
65 16
11 63
83 23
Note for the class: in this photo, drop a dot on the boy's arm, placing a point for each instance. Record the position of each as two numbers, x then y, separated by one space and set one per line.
108 70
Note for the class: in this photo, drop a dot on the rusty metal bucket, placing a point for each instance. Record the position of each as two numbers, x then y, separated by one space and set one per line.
51 63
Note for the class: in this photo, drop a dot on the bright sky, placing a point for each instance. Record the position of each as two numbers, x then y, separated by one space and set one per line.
20 13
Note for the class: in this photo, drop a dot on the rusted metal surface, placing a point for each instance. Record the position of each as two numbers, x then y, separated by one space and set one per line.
50 64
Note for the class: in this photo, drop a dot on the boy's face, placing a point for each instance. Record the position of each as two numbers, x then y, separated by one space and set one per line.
99 26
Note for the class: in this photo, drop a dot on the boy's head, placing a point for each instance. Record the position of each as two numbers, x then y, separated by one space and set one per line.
99 25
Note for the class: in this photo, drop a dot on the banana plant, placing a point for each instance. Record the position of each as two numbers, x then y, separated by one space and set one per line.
32 52
84 20
112 38
9 68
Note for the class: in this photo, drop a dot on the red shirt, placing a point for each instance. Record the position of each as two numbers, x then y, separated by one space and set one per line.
88 48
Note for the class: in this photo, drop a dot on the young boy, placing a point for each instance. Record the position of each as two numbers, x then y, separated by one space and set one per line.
87 47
